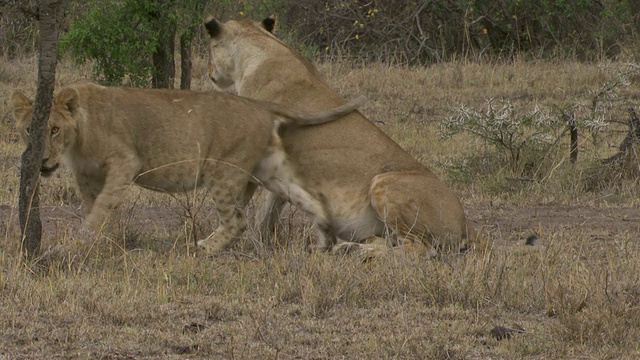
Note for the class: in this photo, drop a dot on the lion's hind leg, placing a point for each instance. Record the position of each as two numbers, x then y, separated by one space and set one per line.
420 210
279 176
269 207
287 186
230 202
231 226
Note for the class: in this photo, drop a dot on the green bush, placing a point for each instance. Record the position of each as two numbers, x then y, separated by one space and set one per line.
121 37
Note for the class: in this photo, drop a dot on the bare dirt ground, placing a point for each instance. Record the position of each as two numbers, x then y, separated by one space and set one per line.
514 221
511 223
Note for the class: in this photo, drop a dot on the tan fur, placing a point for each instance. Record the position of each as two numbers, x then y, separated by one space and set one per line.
172 141
371 186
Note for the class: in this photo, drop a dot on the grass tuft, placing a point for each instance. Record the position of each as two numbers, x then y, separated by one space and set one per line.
143 292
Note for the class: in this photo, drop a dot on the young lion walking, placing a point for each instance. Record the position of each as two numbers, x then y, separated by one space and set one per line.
173 141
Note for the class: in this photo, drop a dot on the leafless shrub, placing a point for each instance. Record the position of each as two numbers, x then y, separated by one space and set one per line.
422 32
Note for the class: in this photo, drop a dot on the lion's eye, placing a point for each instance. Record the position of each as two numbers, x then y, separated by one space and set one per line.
55 130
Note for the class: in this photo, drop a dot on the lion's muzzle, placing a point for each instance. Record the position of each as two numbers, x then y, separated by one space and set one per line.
45 171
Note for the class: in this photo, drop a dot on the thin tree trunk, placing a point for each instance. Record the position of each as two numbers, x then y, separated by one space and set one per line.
185 59
634 6
50 11
186 48
573 133
164 69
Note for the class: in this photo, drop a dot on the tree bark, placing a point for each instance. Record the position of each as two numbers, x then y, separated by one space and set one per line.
164 69
49 12
186 44
573 133
185 59
634 6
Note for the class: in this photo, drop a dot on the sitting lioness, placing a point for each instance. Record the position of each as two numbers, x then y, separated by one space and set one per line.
371 187
172 141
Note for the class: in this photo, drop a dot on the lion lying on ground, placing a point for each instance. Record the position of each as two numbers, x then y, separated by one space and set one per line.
371 186
172 141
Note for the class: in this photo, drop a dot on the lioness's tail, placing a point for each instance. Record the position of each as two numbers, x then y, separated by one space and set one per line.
305 118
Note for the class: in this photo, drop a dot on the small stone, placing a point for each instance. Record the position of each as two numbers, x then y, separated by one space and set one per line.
532 240
502 332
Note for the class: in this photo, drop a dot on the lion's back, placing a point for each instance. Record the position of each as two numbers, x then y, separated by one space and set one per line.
173 135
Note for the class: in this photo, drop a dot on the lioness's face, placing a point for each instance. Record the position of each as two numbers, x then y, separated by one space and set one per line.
225 48
61 127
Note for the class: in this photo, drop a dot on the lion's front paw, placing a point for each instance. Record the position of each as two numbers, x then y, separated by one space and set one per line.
346 248
212 244
367 251
204 245
208 248
373 250
94 221
86 233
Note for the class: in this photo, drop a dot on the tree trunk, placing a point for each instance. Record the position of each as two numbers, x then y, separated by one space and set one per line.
573 133
186 42
634 6
164 69
185 59
50 11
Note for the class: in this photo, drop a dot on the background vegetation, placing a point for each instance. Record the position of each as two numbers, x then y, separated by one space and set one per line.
138 41
491 121
404 32
430 31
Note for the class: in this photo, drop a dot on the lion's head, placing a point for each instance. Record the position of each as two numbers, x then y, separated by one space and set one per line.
225 48
61 127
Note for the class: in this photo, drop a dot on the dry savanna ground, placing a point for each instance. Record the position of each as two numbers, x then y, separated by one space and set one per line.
576 294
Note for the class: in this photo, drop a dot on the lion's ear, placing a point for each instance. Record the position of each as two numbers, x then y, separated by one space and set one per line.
213 26
20 105
69 99
269 23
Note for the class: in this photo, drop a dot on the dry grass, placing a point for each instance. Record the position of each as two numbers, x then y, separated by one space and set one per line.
145 295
